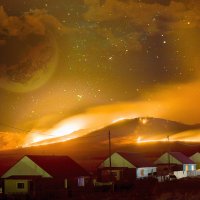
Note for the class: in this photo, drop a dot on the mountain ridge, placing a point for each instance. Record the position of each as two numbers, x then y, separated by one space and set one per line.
89 149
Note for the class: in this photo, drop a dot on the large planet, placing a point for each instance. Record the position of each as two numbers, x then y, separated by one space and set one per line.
30 64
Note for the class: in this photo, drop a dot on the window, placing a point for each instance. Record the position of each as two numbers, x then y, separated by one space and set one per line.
20 185
81 182
142 172
192 167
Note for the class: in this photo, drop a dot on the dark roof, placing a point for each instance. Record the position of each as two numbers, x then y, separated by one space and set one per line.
181 157
138 160
59 166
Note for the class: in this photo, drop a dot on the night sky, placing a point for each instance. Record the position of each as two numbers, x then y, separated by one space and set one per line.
96 61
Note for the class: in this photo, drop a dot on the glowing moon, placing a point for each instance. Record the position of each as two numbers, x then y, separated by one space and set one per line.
33 69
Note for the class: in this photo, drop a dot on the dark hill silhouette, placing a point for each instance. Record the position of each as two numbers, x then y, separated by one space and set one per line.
135 127
90 149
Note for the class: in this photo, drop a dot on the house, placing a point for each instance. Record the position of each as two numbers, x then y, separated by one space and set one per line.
196 159
34 174
176 163
125 167
5 163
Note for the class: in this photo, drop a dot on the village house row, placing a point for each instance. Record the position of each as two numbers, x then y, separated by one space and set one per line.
40 174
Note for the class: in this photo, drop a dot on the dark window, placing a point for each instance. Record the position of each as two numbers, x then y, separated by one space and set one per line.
114 174
20 185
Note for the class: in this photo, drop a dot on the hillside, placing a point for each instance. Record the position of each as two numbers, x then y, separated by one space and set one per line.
91 148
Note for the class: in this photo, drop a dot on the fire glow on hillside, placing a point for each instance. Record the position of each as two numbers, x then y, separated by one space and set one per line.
191 136
140 141
69 129
83 124
59 134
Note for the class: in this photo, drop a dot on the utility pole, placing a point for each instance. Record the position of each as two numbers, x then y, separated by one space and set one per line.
169 167
110 161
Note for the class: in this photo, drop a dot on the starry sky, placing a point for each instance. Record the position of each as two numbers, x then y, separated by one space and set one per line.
97 59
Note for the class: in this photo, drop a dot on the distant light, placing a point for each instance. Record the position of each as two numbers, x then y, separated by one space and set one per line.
79 97
139 139
192 167
143 120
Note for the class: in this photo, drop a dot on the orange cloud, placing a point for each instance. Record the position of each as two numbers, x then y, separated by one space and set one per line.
37 22
143 14
11 140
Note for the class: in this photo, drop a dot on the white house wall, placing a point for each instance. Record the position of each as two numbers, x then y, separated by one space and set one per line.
180 174
164 159
26 167
145 171
116 161
198 172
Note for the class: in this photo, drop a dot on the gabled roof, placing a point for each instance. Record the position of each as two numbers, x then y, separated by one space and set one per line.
195 158
6 163
59 166
181 157
197 153
138 160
